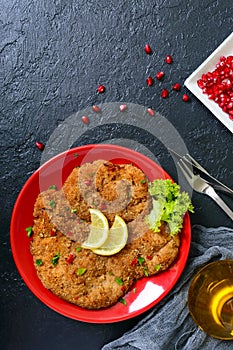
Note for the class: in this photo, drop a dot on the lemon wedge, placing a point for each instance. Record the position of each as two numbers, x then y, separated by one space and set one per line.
117 238
99 230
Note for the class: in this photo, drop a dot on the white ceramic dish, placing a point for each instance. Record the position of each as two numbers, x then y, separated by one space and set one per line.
225 49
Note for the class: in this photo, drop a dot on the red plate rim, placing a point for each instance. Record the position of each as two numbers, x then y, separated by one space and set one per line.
22 217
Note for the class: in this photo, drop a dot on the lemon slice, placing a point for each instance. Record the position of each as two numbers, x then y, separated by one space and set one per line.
117 238
99 230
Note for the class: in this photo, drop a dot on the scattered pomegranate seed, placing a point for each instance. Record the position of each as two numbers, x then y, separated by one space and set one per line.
53 232
185 98
134 262
123 108
103 206
148 49
149 257
96 109
150 111
159 75
149 81
168 59
123 288
164 93
85 119
40 145
176 87
101 89
87 182
70 259
70 234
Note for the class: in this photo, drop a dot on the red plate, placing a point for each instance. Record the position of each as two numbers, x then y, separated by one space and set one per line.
148 292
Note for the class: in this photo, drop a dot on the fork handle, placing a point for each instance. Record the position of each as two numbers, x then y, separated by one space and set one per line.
211 192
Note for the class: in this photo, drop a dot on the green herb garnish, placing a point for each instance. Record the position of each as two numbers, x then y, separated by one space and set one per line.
55 259
78 249
53 187
146 272
169 205
157 267
119 281
52 203
29 231
143 181
39 262
122 301
141 260
81 271
73 210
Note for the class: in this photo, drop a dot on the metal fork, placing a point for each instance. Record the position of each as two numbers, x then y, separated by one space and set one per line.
201 186
219 186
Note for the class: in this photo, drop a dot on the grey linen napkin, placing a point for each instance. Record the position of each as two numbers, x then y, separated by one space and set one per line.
169 324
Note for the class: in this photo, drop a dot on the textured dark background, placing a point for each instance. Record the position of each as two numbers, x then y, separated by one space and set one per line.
53 56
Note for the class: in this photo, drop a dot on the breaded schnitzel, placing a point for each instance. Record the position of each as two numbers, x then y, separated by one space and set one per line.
62 222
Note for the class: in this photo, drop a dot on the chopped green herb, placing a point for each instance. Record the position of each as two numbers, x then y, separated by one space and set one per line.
146 272
119 281
81 271
141 260
111 273
52 203
92 174
76 155
122 301
73 210
39 262
143 181
29 231
134 290
53 187
67 208
55 259
78 249
157 267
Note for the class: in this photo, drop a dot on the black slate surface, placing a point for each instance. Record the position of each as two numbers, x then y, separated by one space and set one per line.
53 56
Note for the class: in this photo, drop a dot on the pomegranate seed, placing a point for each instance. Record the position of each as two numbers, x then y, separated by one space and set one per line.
87 182
103 206
159 75
123 108
70 234
70 259
168 59
149 81
53 232
40 145
85 119
101 89
96 109
148 49
164 93
134 262
150 111
149 257
176 87
185 98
